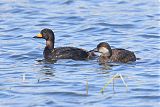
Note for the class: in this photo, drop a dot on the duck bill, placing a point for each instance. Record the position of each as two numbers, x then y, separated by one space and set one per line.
95 51
38 36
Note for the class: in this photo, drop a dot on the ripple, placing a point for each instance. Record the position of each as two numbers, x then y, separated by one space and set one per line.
43 24
12 29
146 90
129 26
149 36
88 29
147 97
17 10
68 2
122 2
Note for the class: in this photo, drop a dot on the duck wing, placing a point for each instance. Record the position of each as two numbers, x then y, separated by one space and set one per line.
70 53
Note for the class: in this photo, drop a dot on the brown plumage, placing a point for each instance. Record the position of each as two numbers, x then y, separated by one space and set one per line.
51 53
113 55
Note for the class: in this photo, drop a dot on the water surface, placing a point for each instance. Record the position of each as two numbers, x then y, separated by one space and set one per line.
132 25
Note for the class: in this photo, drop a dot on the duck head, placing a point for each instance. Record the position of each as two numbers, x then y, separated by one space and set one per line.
48 35
104 49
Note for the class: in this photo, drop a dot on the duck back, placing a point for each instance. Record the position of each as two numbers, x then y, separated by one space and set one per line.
122 55
67 53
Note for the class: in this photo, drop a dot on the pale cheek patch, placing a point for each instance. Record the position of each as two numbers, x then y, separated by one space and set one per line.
103 50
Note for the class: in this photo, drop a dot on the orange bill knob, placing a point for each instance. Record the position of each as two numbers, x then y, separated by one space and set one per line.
38 36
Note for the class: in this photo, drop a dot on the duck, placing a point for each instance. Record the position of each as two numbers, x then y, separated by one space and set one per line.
52 53
117 55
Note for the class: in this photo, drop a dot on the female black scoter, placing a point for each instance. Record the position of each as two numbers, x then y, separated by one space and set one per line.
51 53
113 55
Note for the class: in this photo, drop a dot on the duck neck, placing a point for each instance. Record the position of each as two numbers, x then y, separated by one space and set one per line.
50 44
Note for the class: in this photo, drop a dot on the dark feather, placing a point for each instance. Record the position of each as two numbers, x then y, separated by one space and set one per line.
67 53
122 55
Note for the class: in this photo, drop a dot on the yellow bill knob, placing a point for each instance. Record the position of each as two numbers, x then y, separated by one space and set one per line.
39 35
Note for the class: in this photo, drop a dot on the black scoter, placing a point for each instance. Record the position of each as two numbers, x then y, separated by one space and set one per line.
113 55
52 53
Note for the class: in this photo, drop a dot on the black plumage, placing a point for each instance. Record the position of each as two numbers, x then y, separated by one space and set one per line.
51 53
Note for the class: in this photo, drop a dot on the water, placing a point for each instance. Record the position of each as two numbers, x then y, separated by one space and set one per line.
25 82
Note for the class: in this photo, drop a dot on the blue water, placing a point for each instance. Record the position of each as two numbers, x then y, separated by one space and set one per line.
25 82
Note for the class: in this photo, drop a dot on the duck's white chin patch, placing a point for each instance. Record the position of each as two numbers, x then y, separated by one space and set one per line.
103 50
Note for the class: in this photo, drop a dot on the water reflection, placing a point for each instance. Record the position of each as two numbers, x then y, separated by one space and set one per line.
47 72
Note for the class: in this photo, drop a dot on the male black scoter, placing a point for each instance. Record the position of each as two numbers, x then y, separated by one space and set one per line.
51 53
113 55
